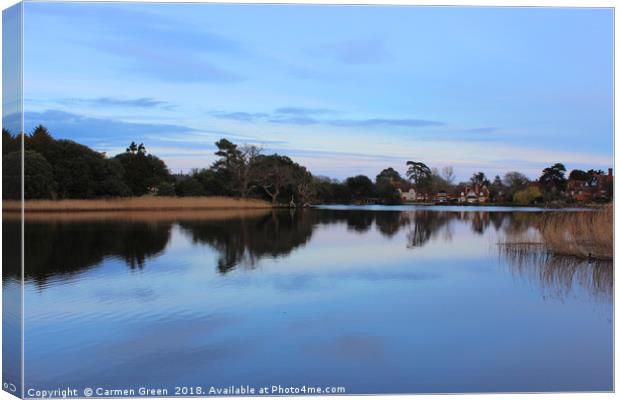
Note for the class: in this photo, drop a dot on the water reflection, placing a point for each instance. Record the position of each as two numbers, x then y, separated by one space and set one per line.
559 276
246 240
62 246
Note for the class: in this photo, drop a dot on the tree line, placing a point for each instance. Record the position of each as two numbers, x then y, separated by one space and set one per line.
64 169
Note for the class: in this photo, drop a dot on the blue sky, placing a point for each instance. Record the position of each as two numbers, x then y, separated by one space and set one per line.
341 89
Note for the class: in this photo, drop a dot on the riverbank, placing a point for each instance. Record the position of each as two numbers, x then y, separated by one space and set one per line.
552 206
145 203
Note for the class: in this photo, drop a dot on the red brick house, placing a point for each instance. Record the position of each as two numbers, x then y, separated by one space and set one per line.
595 187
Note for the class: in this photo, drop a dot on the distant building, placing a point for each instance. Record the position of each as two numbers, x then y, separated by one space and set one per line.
406 190
597 187
441 197
409 195
476 194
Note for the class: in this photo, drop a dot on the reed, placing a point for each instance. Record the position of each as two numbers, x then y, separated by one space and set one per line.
138 215
586 235
145 203
582 234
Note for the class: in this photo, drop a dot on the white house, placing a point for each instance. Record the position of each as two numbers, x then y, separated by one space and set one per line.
409 195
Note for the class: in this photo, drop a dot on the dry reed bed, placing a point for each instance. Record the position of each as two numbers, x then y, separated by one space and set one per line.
575 234
139 215
146 203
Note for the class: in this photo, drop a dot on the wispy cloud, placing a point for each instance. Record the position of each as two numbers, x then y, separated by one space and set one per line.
311 116
356 51
377 122
294 120
142 102
304 111
490 129
241 116
90 130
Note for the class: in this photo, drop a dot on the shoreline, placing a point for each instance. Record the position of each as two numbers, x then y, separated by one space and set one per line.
206 203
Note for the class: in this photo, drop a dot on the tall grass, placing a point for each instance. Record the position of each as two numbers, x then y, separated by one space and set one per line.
145 203
586 235
139 215
581 234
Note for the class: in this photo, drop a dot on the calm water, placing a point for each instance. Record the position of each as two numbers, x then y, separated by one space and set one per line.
377 300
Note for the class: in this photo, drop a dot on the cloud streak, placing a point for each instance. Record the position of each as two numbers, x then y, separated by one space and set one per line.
311 116
142 102
90 130
379 122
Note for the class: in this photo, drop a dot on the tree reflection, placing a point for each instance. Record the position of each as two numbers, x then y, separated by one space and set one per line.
65 248
60 246
246 240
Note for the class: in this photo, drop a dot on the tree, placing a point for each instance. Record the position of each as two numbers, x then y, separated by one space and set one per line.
480 179
330 190
419 173
39 140
280 176
166 189
448 175
133 148
110 174
10 143
515 181
209 179
552 178
438 183
274 173
243 168
79 172
235 166
497 188
74 167
387 193
578 175
143 172
360 186
223 167
189 186
306 191
529 195
38 178
388 175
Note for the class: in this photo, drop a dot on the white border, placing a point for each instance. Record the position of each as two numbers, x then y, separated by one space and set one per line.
483 3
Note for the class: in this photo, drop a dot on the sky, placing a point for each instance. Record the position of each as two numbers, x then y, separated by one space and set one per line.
343 90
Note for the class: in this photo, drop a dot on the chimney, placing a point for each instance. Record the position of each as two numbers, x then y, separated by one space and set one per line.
610 171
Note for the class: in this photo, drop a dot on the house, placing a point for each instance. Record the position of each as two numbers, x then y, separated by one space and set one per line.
597 187
409 195
405 190
483 194
474 195
441 197
471 196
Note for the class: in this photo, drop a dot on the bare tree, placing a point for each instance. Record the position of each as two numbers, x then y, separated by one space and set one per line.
243 168
306 191
448 174
273 173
